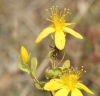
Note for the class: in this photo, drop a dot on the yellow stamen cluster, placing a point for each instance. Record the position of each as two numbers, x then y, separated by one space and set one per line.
58 18
72 76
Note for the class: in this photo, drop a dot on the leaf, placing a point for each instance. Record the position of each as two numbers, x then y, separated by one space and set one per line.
66 64
52 73
49 73
57 71
23 67
40 85
33 65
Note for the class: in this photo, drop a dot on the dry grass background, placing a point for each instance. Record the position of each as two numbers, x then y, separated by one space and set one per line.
20 23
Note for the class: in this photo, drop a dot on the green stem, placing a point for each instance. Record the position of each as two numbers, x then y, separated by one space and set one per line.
53 64
51 60
34 78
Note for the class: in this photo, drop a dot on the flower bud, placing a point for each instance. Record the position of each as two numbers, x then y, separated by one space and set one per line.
24 55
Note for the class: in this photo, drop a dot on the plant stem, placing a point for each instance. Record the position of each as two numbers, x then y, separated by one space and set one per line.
34 78
51 93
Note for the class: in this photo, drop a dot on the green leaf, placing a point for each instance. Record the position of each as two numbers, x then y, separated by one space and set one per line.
66 64
53 73
57 71
49 74
23 67
33 65
40 85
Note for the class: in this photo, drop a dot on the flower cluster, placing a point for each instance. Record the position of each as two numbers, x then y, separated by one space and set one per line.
63 80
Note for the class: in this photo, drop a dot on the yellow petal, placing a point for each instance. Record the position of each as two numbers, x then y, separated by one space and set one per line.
72 32
82 86
45 33
76 92
53 84
60 40
68 24
62 92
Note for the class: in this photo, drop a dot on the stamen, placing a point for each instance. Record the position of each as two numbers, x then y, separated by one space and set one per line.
49 20
75 71
67 15
58 18
65 11
60 13
51 11
47 12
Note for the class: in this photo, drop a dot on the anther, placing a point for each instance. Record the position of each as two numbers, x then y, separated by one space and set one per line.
84 71
82 66
64 9
46 9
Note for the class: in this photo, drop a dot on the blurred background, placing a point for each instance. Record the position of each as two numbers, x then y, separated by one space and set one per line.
20 23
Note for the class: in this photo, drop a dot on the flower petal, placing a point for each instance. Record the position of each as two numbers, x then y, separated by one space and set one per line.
60 40
53 84
45 33
72 32
82 86
76 92
68 24
62 92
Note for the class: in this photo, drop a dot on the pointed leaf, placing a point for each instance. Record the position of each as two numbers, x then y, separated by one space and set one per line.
23 67
33 65
38 86
66 64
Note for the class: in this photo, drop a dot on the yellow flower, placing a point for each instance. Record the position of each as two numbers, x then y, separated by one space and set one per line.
24 55
59 27
68 83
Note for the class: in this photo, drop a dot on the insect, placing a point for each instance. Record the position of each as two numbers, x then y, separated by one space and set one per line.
54 52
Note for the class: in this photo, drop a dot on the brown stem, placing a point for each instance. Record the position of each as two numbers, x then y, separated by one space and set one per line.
51 93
